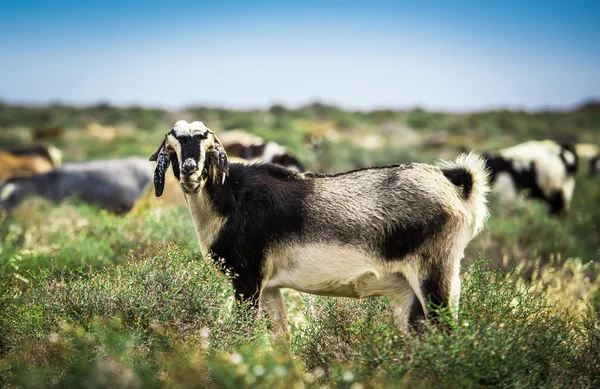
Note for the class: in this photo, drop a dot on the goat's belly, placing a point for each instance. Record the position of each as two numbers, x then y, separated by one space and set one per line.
327 270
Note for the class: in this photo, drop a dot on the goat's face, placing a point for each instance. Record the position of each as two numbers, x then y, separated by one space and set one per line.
196 154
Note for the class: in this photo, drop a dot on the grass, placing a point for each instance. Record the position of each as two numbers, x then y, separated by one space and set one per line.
91 300
167 320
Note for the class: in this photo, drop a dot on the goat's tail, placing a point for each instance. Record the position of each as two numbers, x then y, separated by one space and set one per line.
468 172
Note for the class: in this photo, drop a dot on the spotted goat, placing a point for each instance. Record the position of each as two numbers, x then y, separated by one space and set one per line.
396 231
543 170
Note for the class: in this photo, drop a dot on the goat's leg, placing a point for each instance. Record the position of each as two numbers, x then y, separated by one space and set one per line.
271 302
401 298
399 292
418 309
247 291
455 288
437 289
246 294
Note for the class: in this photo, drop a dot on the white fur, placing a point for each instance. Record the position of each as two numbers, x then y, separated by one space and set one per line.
272 149
568 189
344 271
183 128
207 221
505 186
477 202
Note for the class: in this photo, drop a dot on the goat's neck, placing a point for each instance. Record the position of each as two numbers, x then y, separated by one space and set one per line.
207 220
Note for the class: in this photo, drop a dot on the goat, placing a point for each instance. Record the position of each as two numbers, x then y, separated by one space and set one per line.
114 185
25 161
544 169
395 231
255 149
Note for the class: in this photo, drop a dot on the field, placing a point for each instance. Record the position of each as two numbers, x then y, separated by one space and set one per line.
92 300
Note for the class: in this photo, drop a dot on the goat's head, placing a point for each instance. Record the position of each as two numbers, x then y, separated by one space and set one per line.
196 154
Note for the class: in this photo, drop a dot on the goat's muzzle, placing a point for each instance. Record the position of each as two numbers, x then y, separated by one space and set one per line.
189 167
189 183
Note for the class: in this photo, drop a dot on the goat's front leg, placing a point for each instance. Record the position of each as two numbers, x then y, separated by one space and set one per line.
247 292
271 302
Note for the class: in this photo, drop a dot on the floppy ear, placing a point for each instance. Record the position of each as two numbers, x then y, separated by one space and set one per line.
162 164
154 156
216 161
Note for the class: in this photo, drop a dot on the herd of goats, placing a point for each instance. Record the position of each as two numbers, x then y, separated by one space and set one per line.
396 231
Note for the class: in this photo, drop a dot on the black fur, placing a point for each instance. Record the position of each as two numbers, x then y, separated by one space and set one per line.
287 160
571 167
253 151
264 205
190 147
175 165
525 180
416 317
403 239
460 177
557 204
162 164
437 294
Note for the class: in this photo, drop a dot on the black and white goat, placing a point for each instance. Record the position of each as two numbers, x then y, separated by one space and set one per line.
395 231
543 169
253 148
114 184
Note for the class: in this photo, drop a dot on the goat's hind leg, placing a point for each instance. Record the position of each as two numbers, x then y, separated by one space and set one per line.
401 298
399 293
441 289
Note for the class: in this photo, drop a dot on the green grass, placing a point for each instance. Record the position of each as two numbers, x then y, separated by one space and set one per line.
149 320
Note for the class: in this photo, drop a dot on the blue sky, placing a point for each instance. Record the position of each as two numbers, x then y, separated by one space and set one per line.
450 55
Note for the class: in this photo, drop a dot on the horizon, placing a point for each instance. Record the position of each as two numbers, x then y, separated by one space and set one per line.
460 57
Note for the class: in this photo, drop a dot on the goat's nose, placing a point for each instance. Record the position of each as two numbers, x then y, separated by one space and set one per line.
189 166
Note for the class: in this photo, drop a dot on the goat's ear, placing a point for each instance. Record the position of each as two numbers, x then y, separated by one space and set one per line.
218 165
223 161
162 164
154 156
